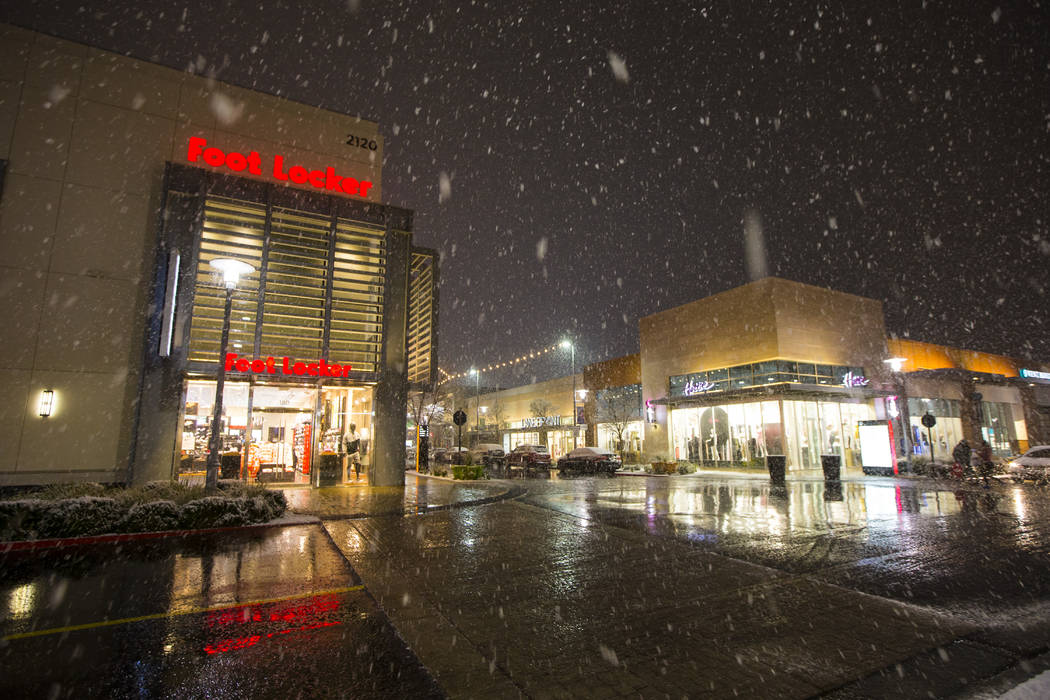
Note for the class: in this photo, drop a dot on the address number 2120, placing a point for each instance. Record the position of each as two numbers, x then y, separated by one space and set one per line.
361 142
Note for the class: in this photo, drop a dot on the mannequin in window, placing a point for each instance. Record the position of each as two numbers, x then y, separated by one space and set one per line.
353 453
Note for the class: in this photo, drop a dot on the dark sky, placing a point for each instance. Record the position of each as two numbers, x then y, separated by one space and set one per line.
896 150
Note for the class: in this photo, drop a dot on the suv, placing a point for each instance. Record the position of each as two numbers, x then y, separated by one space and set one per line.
529 459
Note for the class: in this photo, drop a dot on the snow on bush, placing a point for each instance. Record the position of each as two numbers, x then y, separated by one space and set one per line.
153 507
153 516
213 511
79 517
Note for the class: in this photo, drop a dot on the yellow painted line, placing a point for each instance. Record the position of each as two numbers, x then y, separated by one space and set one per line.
191 611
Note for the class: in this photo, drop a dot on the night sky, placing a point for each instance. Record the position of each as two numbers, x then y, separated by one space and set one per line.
601 158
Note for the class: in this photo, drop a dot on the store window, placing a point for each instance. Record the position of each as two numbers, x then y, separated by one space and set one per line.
621 437
816 428
997 427
283 444
946 434
733 434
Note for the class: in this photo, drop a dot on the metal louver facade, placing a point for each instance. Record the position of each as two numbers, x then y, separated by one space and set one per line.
319 284
422 317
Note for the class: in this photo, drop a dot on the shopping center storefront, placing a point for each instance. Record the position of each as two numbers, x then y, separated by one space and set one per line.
736 416
304 395
139 178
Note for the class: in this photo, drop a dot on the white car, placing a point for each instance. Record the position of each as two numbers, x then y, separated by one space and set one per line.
1033 464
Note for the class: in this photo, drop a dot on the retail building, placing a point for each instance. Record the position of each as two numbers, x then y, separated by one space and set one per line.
122 182
781 368
533 414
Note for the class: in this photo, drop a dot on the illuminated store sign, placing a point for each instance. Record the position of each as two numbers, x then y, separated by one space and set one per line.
198 150
284 365
694 387
852 380
1035 374
540 422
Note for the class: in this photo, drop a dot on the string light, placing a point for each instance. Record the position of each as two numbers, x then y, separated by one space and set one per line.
499 365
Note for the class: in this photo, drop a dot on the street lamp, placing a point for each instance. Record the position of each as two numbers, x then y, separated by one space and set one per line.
232 270
477 403
567 345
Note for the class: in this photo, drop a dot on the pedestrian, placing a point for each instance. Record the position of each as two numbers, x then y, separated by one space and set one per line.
961 458
985 466
353 453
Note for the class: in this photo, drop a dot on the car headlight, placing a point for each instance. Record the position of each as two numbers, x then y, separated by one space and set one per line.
1014 465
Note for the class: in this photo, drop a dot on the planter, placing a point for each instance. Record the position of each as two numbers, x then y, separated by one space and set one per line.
777 466
664 467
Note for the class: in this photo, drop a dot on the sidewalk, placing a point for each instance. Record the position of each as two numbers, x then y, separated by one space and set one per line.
421 494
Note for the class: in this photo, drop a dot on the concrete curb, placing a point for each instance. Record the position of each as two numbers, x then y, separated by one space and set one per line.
32 545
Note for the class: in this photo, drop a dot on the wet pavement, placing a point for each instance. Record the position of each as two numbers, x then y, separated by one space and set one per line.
274 613
721 587
711 585
420 495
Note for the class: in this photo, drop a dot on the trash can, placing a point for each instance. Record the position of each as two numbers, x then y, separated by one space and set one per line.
777 466
832 466
230 465
331 469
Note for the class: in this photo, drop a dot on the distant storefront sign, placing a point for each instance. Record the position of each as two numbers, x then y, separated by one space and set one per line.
1035 374
544 421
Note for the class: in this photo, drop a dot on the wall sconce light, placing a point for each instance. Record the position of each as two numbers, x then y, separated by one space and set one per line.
47 403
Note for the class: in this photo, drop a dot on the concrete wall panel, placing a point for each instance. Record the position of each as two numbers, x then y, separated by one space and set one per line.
28 216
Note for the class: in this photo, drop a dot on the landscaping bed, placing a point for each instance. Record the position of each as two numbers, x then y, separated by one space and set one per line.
83 510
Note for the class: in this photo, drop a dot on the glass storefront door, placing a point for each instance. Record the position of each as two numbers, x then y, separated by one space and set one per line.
284 443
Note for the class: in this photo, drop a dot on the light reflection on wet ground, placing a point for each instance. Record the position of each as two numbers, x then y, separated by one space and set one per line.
264 613
975 552
419 495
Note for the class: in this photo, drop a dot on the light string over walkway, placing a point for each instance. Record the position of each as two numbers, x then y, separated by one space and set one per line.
499 365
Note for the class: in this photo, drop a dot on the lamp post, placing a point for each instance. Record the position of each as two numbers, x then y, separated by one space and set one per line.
567 344
477 404
231 270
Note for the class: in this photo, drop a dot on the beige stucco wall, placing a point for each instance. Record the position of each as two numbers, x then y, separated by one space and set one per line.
86 133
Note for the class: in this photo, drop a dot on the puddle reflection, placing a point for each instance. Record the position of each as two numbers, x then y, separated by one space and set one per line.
761 509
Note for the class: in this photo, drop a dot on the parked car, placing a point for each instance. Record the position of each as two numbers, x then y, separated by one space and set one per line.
589 460
1033 464
489 454
446 455
529 459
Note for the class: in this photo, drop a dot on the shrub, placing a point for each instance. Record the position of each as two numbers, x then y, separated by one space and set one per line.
214 511
153 516
686 468
80 517
440 471
467 471
20 520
